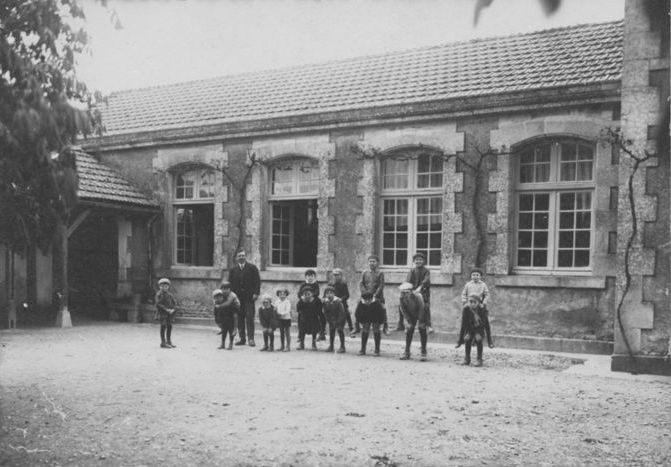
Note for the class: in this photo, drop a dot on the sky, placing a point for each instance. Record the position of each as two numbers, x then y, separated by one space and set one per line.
169 41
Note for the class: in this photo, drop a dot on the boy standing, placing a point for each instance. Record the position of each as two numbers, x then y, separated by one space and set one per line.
420 278
334 312
372 282
477 287
342 292
472 328
165 310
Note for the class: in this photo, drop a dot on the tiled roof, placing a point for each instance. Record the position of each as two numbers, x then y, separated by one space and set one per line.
98 182
569 56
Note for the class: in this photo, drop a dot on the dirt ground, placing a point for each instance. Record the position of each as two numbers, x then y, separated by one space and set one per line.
106 394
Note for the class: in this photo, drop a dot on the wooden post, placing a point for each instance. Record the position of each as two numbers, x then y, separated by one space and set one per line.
63 319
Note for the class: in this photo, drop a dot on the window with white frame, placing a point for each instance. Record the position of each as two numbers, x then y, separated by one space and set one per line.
193 204
412 208
294 188
555 195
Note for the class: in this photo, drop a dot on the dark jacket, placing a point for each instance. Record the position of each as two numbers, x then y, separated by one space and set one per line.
268 317
421 276
245 281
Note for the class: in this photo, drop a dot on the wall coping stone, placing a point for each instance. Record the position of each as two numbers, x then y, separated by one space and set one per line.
194 272
570 282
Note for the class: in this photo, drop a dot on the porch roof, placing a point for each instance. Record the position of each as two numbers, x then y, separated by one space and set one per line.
555 58
101 183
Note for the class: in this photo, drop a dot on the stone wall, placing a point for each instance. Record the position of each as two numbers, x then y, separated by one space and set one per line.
643 274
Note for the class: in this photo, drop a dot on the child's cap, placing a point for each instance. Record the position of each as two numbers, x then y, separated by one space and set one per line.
265 297
419 255
164 280
405 286
284 291
337 271
478 270
310 272
329 288
474 297
216 292
367 295
225 285
375 257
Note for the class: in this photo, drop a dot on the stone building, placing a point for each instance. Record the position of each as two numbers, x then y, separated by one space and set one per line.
492 153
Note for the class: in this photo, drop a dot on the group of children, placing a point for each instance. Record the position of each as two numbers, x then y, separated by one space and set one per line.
331 310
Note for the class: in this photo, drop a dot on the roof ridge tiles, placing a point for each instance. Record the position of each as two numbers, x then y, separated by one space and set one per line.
314 65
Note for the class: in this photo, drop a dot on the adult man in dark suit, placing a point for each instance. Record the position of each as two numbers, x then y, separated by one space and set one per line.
246 283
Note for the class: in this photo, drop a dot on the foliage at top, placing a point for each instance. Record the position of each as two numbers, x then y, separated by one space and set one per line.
43 108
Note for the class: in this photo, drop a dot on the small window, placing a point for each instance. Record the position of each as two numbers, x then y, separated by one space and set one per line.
294 187
554 206
412 208
193 206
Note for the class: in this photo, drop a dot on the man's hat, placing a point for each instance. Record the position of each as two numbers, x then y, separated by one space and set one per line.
164 280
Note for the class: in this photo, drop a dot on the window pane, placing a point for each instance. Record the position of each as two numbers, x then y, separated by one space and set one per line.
568 171
541 221
394 234
540 258
308 177
429 171
395 174
568 152
566 239
542 173
581 258
526 174
526 221
566 220
565 258
195 235
524 239
567 201
429 226
526 202
434 257
583 200
584 171
206 189
435 239
281 183
582 239
524 258
184 185
540 240
542 202
422 241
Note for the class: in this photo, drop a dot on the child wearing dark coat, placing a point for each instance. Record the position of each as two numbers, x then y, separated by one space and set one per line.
472 328
476 286
342 292
311 283
165 310
334 312
309 308
268 320
371 314
226 309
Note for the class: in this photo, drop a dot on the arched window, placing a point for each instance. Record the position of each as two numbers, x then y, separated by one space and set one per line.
294 188
412 208
554 220
193 203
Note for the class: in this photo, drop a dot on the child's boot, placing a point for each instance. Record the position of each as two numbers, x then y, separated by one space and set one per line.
364 341
314 342
341 336
301 342
331 340
265 342
378 338
271 348
423 338
408 341
467 356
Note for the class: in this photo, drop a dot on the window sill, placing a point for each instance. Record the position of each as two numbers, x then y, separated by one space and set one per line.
195 272
568 282
397 276
289 274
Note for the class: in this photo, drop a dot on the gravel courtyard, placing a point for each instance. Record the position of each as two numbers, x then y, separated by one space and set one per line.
106 394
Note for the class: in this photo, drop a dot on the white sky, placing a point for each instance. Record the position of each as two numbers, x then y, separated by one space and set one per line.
167 41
